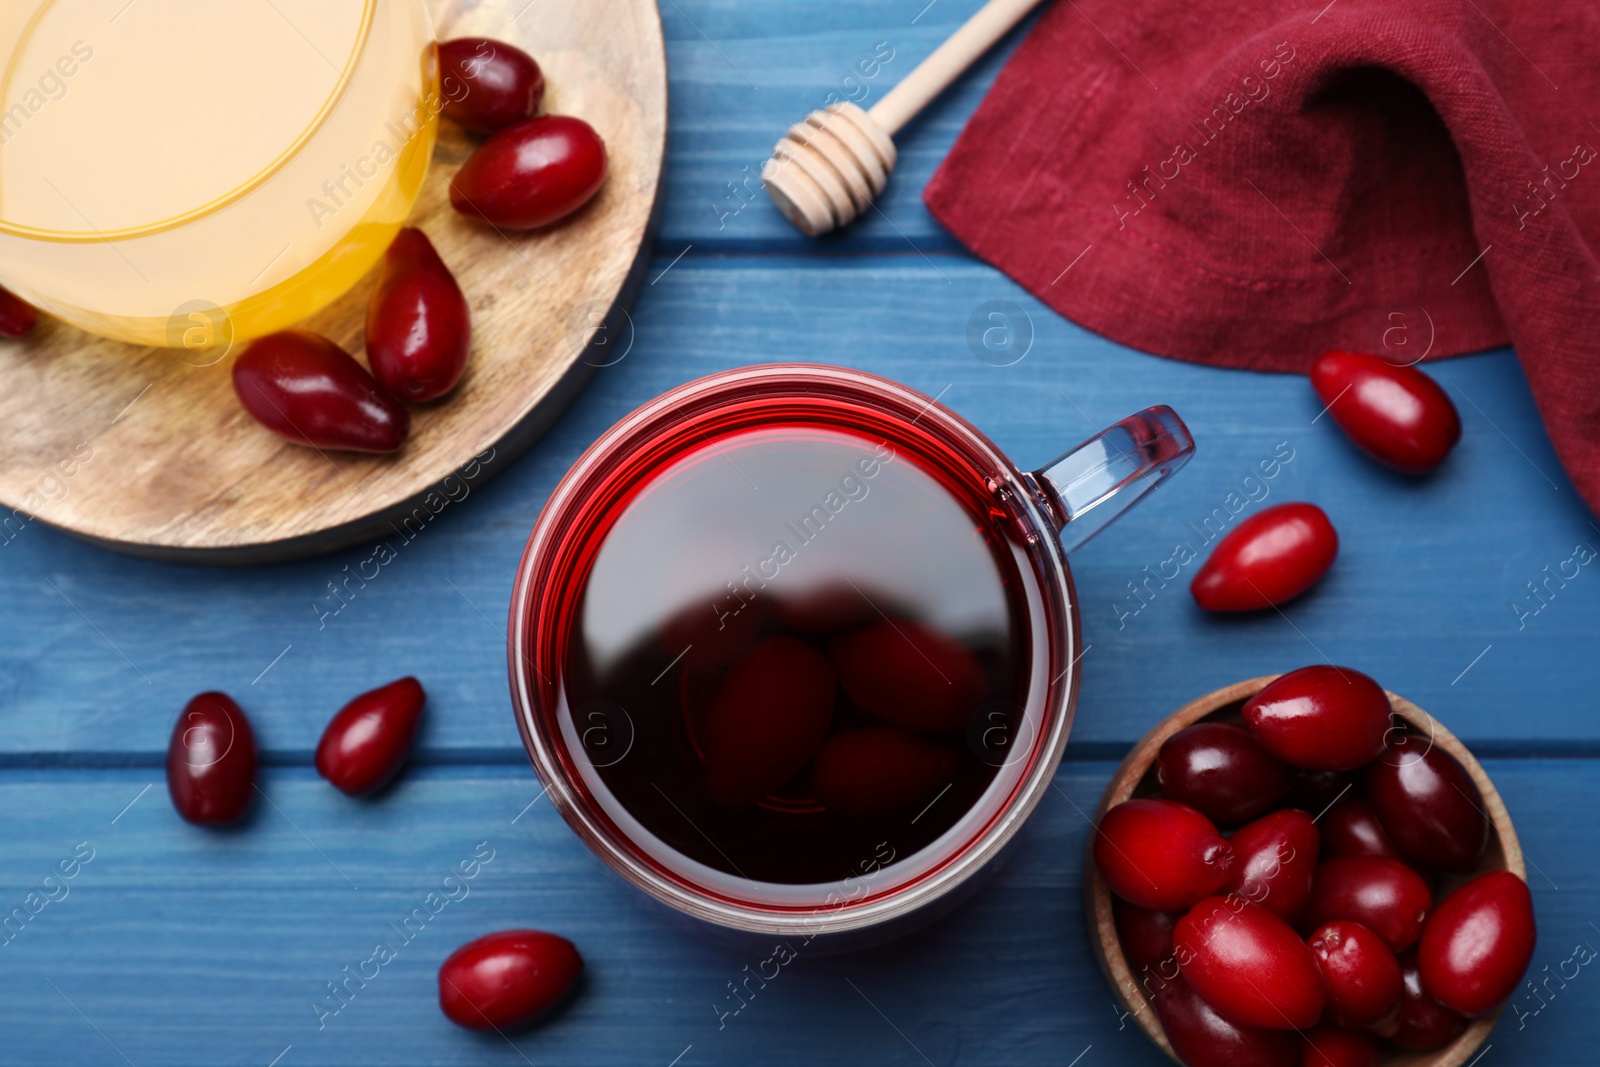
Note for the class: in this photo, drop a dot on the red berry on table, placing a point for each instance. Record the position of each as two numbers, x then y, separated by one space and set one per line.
1160 854
1429 806
531 174
1268 559
304 387
419 328
508 979
1221 771
1275 859
1360 972
1382 894
1322 718
1330 1046
211 761
768 716
1201 1036
488 85
1397 415
879 771
909 674
1477 946
1249 964
1423 1023
366 743
17 316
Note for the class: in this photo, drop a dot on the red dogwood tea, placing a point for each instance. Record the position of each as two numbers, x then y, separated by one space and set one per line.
808 648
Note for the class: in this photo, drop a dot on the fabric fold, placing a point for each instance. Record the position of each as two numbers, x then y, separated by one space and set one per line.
1251 185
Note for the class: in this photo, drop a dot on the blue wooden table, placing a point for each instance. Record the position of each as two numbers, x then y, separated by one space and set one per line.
172 945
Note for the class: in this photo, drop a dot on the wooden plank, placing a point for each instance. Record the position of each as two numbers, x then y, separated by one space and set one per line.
179 946
743 74
98 653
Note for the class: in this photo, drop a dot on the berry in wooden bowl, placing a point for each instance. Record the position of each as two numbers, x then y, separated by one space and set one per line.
1472 869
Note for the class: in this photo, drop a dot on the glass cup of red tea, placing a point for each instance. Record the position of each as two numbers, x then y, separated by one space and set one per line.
795 649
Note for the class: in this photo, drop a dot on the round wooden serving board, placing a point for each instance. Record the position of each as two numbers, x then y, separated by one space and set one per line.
136 450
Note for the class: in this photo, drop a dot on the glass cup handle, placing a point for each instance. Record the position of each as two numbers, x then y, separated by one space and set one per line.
1106 475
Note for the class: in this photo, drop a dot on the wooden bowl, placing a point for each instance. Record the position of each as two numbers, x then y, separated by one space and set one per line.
1136 777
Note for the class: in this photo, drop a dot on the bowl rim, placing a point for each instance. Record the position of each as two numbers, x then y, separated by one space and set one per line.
1137 763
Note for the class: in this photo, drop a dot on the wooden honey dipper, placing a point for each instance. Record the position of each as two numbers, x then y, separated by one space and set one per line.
829 168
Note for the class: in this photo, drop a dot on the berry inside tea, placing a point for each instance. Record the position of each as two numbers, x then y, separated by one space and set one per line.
800 654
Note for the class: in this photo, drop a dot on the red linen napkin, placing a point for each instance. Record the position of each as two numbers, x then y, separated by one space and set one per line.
1251 184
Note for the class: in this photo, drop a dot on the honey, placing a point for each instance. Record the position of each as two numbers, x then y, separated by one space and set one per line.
190 174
